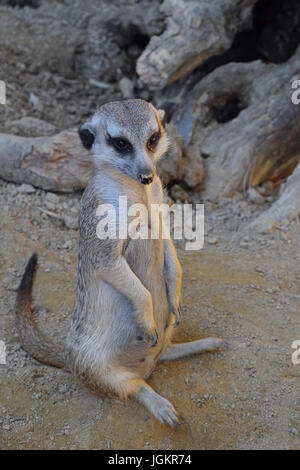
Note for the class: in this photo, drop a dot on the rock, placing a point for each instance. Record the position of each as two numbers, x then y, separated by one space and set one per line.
52 198
126 87
242 120
71 222
35 101
62 388
30 127
287 206
194 32
67 245
25 188
254 196
212 241
50 205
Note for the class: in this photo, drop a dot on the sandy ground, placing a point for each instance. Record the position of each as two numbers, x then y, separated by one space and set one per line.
245 290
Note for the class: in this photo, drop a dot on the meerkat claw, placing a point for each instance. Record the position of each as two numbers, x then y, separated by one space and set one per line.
153 339
177 313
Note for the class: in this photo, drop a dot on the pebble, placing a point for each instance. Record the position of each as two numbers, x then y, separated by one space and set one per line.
212 241
50 205
67 245
62 388
126 87
71 222
51 197
35 101
25 189
259 269
255 197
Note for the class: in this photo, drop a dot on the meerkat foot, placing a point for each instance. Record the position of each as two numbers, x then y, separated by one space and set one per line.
126 384
175 351
158 406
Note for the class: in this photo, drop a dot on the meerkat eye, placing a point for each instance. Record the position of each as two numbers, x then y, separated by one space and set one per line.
153 141
120 143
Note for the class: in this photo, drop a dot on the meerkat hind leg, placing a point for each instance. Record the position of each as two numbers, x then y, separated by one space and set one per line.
159 406
126 384
175 351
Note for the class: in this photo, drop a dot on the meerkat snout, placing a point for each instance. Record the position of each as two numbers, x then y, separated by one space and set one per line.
146 179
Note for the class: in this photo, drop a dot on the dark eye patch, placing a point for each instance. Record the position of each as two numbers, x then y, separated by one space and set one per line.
153 141
120 143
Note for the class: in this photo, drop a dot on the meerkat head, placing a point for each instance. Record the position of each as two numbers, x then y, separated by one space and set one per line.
129 135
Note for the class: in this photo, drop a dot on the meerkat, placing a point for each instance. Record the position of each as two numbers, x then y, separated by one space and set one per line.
128 292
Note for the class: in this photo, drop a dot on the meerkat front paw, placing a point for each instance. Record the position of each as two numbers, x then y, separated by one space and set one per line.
175 308
146 323
150 336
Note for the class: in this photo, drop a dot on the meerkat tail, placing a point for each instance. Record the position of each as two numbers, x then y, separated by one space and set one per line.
32 340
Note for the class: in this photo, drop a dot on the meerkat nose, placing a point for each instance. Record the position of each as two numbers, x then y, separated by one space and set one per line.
146 179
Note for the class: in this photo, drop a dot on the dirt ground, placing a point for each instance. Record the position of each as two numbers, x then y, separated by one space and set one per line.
244 288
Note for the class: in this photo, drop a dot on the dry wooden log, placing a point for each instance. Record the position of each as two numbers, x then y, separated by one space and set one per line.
182 164
57 163
242 118
60 163
195 31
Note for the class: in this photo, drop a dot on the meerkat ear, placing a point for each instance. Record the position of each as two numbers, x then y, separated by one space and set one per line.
87 135
162 116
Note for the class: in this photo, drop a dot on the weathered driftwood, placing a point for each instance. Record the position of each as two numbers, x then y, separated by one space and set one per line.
57 163
194 32
242 118
286 208
60 163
